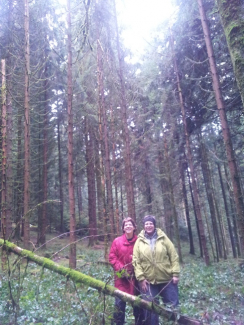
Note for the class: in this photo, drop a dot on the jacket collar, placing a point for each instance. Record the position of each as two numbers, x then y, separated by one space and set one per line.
129 242
160 234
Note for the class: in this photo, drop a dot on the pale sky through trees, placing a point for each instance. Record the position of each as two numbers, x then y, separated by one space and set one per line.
139 18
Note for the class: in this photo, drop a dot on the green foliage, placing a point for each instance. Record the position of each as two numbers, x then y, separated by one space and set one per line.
214 292
44 297
40 296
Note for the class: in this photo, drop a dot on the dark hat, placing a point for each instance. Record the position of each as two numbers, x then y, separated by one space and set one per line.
149 218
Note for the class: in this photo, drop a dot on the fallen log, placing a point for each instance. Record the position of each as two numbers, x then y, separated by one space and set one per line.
107 289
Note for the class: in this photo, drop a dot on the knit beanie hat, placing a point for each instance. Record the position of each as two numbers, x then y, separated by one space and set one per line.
149 218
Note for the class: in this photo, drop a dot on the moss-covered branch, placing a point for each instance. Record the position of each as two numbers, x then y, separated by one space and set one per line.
232 13
79 277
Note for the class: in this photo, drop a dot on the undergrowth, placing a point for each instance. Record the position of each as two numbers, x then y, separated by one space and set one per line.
214 294
32 295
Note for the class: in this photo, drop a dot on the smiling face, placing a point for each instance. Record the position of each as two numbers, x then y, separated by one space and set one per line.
149 227
129 229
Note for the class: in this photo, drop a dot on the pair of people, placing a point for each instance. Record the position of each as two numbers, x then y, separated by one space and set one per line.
150 263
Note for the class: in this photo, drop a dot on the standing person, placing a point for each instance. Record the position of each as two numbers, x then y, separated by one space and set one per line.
120 257
156 266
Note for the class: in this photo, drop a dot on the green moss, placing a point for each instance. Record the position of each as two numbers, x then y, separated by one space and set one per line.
231 13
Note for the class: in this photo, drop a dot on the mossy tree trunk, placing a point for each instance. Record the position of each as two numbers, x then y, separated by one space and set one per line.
79 277
232 18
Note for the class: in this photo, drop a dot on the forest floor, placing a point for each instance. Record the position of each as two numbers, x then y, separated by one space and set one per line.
31 295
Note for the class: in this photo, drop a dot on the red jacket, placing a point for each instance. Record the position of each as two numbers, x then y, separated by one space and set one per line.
120 256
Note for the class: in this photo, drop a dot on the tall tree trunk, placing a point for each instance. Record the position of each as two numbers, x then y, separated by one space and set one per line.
190 162
128 169
6 223
210 197
90 182
235 179
27 131
183 166
79 193
40 183
19 180
233 211
231 14
227 212
115 176
102 109
175 217
60 176
72 224
148 192
221 227
45 151
195 214
9 122
164 184
105 214
99 177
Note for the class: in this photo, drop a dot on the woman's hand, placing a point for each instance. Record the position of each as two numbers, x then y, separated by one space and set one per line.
175 279
143 285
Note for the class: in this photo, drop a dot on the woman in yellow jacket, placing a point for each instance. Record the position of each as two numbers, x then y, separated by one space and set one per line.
156 267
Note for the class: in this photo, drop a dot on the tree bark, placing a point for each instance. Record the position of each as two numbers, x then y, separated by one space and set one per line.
164 184
210 197
175 216
90 161
183 166
235 179
60 176
233 211
6 223
27 131
115 176
99 177
19 181
227 213
231 14
45 152
195 214
72 224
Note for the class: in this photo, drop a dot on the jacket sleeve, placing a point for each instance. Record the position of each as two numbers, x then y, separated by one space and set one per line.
173 256
136 262
114 257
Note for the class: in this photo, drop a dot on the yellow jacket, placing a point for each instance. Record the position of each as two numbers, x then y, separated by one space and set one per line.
159 265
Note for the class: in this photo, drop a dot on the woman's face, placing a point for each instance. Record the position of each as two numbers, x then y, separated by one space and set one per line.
128 228
149 227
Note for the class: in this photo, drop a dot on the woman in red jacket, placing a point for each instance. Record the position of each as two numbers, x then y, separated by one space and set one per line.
120 257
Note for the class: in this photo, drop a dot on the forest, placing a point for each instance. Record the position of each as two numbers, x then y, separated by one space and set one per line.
90 136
